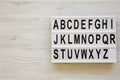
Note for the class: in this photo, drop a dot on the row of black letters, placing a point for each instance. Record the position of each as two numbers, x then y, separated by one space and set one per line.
80 53
84 38
81 24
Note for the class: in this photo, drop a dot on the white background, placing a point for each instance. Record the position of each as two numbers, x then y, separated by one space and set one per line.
25 40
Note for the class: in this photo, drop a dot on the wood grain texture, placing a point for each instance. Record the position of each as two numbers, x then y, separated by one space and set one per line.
25 40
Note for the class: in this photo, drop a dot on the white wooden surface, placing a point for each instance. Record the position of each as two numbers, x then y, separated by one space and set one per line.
25 40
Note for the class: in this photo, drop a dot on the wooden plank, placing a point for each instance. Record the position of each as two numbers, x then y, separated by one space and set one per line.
25 40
